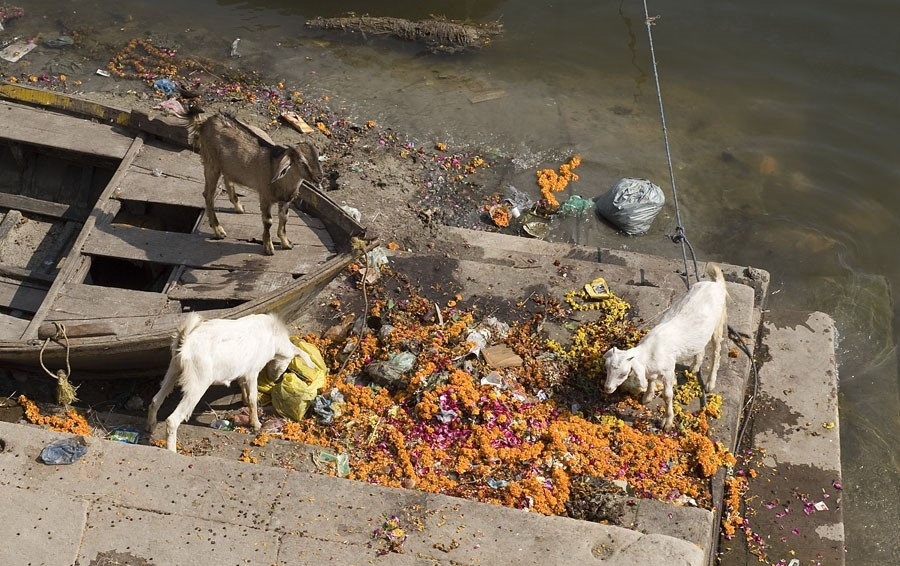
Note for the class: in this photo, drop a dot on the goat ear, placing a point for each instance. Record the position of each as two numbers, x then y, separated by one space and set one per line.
282 168
610 353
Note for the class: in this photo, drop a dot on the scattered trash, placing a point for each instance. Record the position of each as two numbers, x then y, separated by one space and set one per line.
341 461
390 373
222 424
125 434
631 205
499 330
501 356
500 214
518 200
172 106
166 86
794 562
64 451
575 206
597 289
493 379
376 257
8 13
685 500
16 50
539 229
354 213
479 339
497 484
820 506
234 48
272 426
621 484
157 172
446 415
103 73
60 42
297 122
295 390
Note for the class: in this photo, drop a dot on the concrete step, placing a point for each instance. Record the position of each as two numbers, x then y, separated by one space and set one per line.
137 504
795 502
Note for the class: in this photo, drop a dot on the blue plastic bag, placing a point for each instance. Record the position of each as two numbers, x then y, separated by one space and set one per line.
64 451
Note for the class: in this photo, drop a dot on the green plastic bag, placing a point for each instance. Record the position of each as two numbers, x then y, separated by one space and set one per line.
293 393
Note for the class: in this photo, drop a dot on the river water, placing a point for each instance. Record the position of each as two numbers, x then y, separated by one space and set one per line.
782 121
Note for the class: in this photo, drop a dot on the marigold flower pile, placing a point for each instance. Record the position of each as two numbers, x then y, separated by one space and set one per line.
551 181
521 446
72 421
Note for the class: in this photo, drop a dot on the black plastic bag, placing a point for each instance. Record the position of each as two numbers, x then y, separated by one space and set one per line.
631 205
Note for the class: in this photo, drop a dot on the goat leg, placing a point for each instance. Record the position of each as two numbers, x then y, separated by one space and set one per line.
209 195
233 197
669 394
265 207
168 385
283 208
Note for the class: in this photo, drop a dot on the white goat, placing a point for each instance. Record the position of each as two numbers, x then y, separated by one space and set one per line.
217 352
243 154
684 331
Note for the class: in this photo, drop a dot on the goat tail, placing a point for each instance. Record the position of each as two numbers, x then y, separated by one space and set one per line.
191 322
714 273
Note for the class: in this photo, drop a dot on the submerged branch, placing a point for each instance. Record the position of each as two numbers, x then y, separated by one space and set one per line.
438 34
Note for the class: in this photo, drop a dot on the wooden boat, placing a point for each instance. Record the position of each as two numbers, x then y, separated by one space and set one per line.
104 245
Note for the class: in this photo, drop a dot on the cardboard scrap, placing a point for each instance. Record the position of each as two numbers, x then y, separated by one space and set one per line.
297 122
15 51
501 356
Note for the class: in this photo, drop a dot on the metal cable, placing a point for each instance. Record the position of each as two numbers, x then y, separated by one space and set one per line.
679 236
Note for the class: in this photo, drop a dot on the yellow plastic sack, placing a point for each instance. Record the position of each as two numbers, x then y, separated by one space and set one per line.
292 396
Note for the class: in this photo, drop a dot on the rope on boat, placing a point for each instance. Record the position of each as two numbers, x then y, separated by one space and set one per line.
65 391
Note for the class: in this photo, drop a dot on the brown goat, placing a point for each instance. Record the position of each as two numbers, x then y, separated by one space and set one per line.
245 155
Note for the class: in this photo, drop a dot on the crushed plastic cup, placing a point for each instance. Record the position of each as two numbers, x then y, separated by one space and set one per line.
64 451
341 461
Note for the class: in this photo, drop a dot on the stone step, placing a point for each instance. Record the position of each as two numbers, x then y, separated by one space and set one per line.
140 503
795 502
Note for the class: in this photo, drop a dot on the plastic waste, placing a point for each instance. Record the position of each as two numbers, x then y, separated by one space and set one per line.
575 206
389 373
341 461
125 434
376 257
631 205
64 451
354 213
294 391
321 407
60 42
497 484
493 379
222 424
479 338
166 86
15 51
518 201
234 48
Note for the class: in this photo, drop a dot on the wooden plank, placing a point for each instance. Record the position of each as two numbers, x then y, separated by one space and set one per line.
42 207
226 285
10 219
72 263
11 327
58 247
193 250
22 274
80 301
163 158
142 185
19 295
46 129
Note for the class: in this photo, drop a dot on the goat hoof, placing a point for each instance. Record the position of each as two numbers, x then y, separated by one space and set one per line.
219 233
269 249
287 245
239 208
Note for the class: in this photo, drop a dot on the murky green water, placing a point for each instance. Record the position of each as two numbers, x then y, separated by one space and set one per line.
782 120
